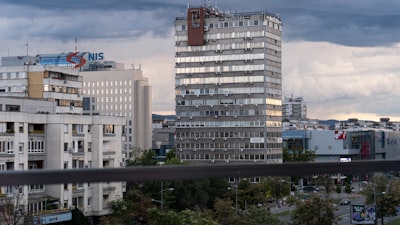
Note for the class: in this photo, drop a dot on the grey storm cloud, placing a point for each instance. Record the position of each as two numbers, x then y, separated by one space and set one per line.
352 23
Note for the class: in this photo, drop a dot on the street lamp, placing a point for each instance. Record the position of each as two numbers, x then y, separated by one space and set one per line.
236 195
162 196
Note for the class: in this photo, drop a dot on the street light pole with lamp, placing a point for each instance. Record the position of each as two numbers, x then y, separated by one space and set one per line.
162 196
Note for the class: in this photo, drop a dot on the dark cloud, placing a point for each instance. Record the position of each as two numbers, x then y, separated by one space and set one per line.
352 23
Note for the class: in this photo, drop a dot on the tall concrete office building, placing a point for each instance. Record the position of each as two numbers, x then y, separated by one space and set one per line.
109 89
228 86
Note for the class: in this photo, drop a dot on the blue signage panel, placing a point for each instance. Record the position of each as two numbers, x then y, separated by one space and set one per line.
363 214
54 218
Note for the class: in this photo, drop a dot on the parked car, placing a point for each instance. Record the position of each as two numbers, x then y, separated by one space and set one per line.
345 201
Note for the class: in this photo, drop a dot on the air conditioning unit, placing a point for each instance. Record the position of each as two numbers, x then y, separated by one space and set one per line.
177 42
225 139
215 117
212 149
225 149
212 160
213 140
191 117
226 94
178 117
181 140
218 73
205 28
241 149
214 40
194 150
235 117
241 105
197 106
211 106
226 106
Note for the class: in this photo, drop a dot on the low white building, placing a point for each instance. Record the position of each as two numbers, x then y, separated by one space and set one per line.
31 141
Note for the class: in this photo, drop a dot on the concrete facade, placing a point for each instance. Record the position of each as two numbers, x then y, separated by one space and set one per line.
115 91
42 127
53 141
294 108
50 83
228 87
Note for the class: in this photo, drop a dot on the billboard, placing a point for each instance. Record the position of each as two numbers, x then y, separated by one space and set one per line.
74 59
362 214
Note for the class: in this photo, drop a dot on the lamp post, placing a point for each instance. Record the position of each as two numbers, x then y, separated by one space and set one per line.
236 186
162 195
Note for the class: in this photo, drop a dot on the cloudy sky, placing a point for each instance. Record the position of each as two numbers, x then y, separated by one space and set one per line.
342 56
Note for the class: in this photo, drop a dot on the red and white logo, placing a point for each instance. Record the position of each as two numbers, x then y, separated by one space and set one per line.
340 134
76 59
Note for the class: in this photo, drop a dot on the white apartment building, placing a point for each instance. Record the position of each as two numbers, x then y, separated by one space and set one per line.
42 127
109 89
294 108
228 86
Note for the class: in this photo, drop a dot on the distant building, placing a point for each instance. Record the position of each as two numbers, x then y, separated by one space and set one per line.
109 89
350 140
228 86
294 108
163 134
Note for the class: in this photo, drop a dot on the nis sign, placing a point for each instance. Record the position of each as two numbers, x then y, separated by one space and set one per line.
80 58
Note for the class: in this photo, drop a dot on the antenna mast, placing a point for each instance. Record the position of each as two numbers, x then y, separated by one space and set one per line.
76 44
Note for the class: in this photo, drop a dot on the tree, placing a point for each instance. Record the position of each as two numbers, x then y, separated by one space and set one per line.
277 187
185 217
147 158
132 209
171 158
385 193
315 212
224 212
256 216
298 155
11 207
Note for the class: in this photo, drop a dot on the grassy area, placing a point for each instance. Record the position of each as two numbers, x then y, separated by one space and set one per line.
284 213
394 222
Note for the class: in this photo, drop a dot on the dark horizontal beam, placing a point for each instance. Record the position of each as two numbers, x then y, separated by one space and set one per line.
159 173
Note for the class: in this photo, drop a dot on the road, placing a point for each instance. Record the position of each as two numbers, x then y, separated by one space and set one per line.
343 212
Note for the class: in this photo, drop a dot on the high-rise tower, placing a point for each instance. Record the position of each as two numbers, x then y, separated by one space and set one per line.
228 86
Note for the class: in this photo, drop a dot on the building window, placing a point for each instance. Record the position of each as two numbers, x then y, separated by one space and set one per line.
21 147
65 128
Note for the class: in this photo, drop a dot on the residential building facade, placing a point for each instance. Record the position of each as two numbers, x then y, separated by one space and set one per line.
228 86
294 108
42 127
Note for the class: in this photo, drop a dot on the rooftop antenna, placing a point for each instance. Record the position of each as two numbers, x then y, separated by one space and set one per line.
27 48
76 44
